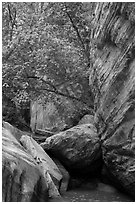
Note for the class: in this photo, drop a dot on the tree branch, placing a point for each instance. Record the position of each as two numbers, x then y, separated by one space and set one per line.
12 20
68 96
77 31
56 91
6 56
42 79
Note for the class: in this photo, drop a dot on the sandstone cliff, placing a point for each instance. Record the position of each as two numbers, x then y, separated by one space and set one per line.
112 81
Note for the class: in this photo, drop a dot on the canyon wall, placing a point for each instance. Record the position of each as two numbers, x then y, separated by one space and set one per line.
112 81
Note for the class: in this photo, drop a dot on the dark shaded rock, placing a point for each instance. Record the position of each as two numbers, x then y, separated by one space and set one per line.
87 119
22 180
41 135
77 148
105 177
45 133
75 183
112 81
66 177
90 184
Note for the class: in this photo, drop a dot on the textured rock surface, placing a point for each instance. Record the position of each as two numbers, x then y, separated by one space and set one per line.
86 120
77 148
14 131
112 79
45 163
22 180
56 113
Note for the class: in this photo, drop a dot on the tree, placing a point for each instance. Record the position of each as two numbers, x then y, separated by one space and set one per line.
45 46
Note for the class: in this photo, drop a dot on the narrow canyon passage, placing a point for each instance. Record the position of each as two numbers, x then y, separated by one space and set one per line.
68 101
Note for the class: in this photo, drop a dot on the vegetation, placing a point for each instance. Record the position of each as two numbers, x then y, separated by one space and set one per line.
45 47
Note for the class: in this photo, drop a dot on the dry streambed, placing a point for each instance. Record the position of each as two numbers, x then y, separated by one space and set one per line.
88 193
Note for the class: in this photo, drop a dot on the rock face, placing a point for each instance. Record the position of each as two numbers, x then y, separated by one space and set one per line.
112 81
77 148
22 180
56 113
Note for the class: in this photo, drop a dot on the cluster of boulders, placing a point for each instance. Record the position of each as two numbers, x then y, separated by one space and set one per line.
78 149
28 173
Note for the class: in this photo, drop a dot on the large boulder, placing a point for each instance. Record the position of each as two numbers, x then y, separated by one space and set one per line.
22 179
112 81
44 161
77 148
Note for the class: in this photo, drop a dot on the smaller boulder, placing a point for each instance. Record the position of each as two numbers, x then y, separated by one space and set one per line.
87 119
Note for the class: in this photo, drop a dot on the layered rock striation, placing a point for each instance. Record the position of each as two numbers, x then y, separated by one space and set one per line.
112 81
28 173
22 179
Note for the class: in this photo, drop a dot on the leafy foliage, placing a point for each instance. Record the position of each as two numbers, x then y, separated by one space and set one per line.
45 46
